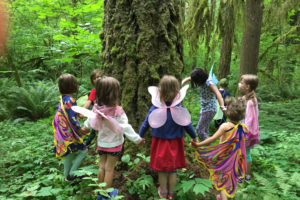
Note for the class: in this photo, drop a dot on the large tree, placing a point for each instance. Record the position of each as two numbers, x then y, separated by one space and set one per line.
141 41
251 37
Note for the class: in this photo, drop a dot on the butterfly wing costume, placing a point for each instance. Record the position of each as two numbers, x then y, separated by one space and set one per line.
226 161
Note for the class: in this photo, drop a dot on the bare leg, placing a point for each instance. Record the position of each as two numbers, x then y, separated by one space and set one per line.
163 180
110 164
223 195
172 182
101 172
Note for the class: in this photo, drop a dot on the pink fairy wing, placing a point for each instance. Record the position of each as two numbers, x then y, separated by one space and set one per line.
158 117
155 98
96 122
113 125
181 116
180 96
85 112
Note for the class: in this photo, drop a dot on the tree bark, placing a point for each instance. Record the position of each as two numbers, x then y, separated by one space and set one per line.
251 37
141 41
227 42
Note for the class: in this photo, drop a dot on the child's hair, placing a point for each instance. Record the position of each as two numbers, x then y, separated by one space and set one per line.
235 109
107 91
223 83
198 77
67 84
94 74
252 81
168 88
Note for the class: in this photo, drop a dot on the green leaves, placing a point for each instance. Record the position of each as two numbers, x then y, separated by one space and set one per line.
197 186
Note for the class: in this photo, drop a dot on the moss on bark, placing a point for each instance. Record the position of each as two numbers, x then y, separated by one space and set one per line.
142 41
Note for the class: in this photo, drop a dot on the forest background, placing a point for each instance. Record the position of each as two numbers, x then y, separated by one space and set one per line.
143 40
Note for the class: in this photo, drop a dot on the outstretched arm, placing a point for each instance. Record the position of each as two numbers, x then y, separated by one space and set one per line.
211 139
214 89
184 81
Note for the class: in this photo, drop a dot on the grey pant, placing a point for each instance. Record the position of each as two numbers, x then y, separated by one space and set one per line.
73 160
203 124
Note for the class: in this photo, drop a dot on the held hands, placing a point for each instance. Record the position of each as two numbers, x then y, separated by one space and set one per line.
195 143
84 131
223 108
142 142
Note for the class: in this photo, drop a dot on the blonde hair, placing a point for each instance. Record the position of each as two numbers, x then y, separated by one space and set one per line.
252 81
168 88
107 91
235 109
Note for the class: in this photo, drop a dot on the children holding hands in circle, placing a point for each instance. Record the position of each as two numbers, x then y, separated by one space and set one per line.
169 121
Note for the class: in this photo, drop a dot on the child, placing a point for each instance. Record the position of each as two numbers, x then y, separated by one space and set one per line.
247 85
95 74
68 134
208 94
226 160
111 124
223 83
168 120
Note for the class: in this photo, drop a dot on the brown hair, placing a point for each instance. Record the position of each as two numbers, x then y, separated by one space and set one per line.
168 88
252 81
235 109
94 74
107 91
67 84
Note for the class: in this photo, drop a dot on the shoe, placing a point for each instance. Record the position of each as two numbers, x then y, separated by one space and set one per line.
248 177
69 178
171 195
218 197
113 193
240 180
162 194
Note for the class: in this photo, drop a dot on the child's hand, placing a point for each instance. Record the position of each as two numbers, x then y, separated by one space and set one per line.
195 143
223 108
184 81
142 142
84 131
80 116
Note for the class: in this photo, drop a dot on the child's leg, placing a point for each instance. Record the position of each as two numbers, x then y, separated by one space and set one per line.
163 181
78 159
223 195
203 124
249 161
68 164
110 164
101 172
172 182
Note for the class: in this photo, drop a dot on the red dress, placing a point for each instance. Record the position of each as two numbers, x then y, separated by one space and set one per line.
167 155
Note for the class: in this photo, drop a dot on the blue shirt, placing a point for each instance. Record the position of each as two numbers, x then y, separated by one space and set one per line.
170 130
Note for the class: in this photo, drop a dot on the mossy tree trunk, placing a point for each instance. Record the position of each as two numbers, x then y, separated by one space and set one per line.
251 37
227 42
141 41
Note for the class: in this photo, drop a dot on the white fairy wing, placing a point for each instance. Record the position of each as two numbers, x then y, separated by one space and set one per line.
85 112
155 98
180 96
157 118
181 116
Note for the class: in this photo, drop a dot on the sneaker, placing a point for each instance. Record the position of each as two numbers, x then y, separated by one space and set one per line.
248 177
171 195
240 180
162 194
69 178
218 197
113 193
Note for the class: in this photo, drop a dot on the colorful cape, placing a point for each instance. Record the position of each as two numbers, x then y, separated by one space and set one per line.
226 161
64 132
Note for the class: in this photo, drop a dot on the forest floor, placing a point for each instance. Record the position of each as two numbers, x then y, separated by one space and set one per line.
29 169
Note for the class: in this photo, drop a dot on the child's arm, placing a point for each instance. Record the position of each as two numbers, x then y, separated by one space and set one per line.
145 126
87 104
211 139
128 130
214 89
184 81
